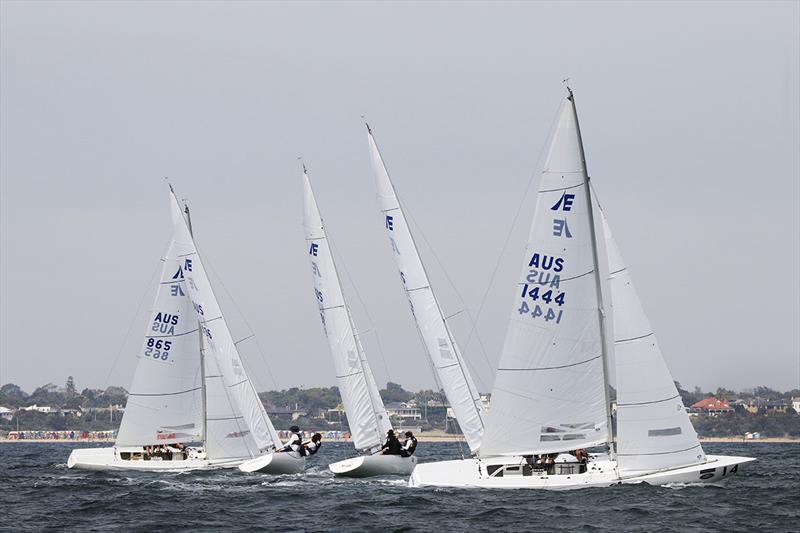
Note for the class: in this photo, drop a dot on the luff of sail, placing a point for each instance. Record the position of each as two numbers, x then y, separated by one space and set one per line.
448 363
366 414
549 393
237 423
653 429
164 403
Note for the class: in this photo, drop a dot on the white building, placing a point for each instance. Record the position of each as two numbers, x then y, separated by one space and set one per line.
6 413
404 411
37 408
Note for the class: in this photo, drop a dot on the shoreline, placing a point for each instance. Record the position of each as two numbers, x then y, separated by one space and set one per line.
421 438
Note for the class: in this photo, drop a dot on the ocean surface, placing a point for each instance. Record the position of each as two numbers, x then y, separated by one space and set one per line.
38 492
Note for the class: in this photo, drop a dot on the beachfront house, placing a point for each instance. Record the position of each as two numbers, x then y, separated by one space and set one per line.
403 410
712 406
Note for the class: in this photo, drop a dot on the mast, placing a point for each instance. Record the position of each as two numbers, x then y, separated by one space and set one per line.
601 307
202 350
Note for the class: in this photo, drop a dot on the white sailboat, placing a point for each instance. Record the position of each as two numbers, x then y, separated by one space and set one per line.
448 364
551 390
366 413
190 386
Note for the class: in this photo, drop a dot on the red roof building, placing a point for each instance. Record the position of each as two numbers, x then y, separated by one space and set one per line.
713 406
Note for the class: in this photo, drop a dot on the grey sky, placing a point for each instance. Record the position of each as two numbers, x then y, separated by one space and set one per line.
689 113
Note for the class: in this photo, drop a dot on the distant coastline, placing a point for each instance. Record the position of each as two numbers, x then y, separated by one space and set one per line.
430 436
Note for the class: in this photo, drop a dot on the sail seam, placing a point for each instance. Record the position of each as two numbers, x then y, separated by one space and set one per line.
331 307
562 188
357 372
634 338
224 418
236 384
176 335
623 269
419 288
648 403
548 367
659 453
163 393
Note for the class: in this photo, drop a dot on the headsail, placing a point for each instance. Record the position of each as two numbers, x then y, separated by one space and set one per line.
549 393
164 403
653 428
236 419
366 413
448 363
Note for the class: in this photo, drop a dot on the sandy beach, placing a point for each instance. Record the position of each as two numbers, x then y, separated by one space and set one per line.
428 436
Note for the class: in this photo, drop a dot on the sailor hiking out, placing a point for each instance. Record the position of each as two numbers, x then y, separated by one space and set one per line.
409 446
392 445
295 442
311 447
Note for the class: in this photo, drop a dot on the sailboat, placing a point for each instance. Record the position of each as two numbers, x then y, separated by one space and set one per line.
449 368
366 414
575 318
191 397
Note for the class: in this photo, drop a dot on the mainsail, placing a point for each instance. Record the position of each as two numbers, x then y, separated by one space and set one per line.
653 429
366 413
443 352
237 424
165 400
550 392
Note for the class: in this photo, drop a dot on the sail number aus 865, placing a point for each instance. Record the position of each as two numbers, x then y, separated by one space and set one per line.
157 349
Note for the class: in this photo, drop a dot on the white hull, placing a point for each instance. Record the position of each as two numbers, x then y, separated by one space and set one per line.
111 459
374 465
275 463
600 473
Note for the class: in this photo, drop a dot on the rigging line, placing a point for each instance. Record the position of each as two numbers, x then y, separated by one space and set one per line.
207 263
372 327
421 233
133 319
511 228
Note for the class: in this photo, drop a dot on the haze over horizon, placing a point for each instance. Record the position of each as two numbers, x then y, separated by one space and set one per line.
691 140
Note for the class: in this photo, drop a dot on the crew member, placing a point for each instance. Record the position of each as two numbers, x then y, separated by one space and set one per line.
409 446
311 447
392 446
295 442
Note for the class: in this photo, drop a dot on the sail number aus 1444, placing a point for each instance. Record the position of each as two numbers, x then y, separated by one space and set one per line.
548 296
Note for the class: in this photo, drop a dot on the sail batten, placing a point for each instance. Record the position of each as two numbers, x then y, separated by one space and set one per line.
366 413
442 350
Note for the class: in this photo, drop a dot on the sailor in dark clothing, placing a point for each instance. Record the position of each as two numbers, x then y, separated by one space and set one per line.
295 442
311 447
392 446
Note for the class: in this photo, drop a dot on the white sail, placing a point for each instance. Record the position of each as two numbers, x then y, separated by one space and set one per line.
165 400
452 373
235 413
653 429
366 413
549 393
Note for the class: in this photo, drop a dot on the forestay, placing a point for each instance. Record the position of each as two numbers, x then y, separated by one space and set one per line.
366 413
236 417
447 360
653 429
165 402
549 393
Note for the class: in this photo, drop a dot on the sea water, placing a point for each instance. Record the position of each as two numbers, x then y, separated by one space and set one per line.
37 492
